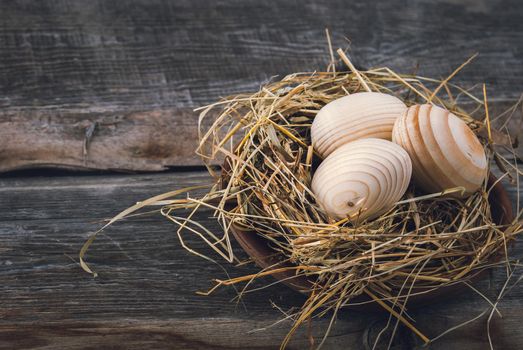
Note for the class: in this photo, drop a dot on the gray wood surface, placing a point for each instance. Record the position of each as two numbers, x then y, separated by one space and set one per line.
67 65
132 71
145 295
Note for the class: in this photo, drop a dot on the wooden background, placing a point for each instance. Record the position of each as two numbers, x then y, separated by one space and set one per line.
129 74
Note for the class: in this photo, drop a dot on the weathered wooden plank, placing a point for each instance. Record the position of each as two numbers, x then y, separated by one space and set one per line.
66 65
145 296
48 302
133 141
202 333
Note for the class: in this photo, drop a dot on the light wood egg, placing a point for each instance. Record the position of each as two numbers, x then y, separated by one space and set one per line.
445 152
362 179
355 116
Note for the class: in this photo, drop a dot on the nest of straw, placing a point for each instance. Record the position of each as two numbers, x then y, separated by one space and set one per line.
424 243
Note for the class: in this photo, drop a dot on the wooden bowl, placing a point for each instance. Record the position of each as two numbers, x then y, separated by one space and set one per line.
265 256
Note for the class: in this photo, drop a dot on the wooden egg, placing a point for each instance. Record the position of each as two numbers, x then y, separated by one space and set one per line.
445 152
352 117
362 179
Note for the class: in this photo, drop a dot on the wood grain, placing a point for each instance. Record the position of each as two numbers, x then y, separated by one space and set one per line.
130 73
67 65
129 141
145 295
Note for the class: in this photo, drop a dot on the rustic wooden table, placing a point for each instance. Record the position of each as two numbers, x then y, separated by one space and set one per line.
125 75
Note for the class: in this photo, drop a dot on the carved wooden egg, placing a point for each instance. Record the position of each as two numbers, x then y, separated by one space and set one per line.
445 152
360 115
362 179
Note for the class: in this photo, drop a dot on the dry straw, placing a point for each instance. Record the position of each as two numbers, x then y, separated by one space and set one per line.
423 243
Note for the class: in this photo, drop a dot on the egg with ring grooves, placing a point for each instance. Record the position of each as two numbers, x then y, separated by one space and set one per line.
355 116
445 152
362 179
